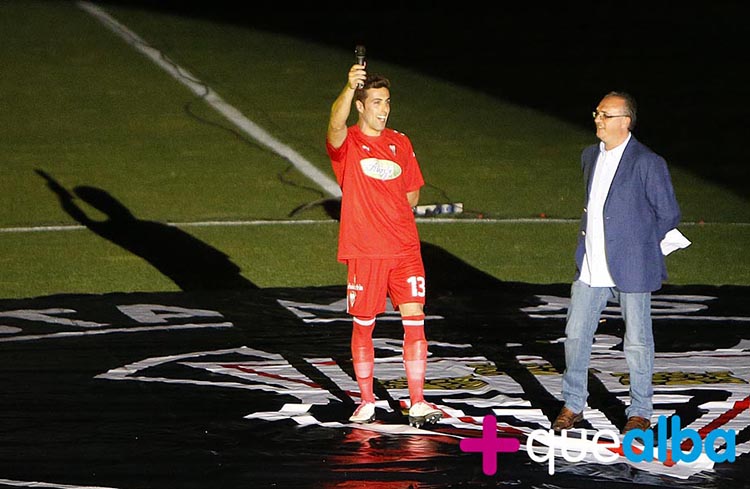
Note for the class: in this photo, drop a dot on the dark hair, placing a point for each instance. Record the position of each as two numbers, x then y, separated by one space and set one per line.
372 81
631 107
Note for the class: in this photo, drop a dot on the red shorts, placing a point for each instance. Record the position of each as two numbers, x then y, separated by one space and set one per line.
369 281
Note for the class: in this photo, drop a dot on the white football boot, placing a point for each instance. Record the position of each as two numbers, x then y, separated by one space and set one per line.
423 413
365 413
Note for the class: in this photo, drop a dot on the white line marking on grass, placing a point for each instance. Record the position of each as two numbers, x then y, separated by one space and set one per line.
196 224
50 485
38 229
214 100
305 222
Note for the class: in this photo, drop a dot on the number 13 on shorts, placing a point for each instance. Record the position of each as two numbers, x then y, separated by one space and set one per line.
417 286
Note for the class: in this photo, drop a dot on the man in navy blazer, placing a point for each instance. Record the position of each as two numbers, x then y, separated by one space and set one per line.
630 207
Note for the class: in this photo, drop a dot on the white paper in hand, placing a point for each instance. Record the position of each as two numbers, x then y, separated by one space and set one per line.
674 240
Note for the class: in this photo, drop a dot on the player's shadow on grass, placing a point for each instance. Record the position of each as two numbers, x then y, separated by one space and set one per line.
189 262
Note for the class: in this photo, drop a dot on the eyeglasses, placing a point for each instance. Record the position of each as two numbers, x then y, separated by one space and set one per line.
596 114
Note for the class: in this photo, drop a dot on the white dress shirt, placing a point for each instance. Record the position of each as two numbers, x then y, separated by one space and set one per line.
595 271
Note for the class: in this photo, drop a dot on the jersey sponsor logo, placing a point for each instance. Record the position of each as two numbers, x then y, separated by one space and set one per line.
380 169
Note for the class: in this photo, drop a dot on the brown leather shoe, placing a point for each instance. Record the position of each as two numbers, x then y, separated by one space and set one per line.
566 420
636 423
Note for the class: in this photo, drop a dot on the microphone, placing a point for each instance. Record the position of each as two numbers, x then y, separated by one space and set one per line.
359 55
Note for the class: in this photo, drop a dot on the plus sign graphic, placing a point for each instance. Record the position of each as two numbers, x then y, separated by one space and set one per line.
489 444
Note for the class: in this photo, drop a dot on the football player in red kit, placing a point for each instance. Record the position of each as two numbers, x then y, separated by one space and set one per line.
380 181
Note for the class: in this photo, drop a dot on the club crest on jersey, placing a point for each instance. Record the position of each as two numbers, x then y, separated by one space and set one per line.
392 148
380 169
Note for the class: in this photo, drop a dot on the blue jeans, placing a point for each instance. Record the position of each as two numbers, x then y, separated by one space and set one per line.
586 306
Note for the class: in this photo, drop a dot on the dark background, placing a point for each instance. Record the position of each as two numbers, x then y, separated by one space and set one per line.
685 65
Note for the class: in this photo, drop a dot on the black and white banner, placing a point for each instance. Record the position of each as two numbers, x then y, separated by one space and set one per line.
253 388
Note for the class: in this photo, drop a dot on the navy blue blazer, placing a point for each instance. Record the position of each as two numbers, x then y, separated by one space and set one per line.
639 211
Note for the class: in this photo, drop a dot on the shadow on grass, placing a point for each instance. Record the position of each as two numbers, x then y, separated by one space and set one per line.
190 263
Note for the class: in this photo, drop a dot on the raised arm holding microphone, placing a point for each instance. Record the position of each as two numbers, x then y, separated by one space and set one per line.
380 181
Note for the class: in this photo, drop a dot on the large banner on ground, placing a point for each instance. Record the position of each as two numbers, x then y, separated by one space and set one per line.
253 388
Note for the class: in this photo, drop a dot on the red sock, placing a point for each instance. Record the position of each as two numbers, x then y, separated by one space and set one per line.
415 356
363 356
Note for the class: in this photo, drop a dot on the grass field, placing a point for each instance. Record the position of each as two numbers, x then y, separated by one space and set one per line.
82 105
